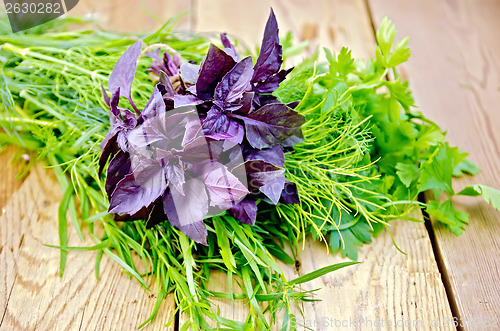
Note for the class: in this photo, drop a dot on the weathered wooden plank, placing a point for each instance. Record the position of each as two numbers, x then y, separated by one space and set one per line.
35 297
9 184
320 22
388 290
133 16
455 75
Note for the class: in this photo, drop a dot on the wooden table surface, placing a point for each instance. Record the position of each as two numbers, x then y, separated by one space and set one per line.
454 73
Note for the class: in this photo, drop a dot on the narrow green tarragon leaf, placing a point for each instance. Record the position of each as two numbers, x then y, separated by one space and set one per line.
320 272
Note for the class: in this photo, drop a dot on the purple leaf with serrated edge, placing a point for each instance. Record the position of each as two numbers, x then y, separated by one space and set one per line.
124 70
271 125
270 58
290 193
229 47
223 187
245 211
189 72
258 173
216 64
186 212
272 82
232 86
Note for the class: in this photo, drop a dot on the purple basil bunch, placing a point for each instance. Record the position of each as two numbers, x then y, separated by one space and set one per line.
211 138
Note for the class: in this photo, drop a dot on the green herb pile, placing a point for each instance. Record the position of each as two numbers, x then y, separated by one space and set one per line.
366 157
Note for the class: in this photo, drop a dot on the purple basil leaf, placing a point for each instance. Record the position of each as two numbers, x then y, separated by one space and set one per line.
224 188
293 104
272 82
156 215
195 151
124 70
186 212
216 64
215 122
189 72
258 173
142 214
234 133
113 105
274 155
193 129
273 189
129 196
167 85
246 103
109 147
270 58
271 125
290 193
229 47
186 100
245 211
265 99
172 63
158 65
119 167
165 63
105 95
232 86
154 107
174 171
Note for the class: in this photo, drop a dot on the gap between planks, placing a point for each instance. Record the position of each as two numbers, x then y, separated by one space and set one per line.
457 85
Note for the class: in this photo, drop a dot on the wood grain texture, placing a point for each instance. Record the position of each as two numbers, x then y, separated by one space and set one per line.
34 297
9 184
386 289
455 75
133 16
321 22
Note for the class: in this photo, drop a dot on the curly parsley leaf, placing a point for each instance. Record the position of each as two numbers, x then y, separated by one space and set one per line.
388 55
437 171
489 194
407 173
466 167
